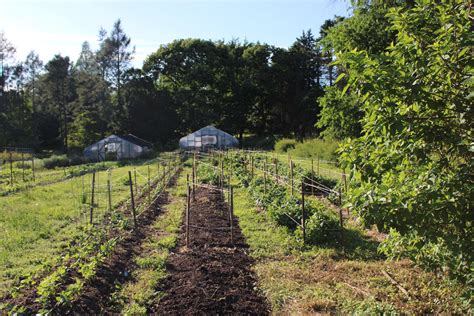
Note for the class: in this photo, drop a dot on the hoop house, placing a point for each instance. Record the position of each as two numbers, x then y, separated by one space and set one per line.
206 138
117 147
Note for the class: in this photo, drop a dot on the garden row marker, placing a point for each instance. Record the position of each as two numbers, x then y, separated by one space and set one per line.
109 195
303 224
132 199
23 166
11 170
265 178
92 198
149 186
188 201
33 166
231 214
291 173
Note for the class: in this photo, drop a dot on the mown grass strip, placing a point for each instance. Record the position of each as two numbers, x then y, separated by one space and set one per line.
330 277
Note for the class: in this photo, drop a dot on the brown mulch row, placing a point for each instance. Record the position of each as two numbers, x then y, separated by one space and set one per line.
212 275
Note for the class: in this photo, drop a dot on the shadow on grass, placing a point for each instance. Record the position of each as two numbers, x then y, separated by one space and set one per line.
353 244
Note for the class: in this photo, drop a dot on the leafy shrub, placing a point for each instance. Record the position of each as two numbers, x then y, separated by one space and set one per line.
321 227
283 145
62 161
312 148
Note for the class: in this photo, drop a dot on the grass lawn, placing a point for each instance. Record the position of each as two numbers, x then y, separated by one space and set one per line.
37 223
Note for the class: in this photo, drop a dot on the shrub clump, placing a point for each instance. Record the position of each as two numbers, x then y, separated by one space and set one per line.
283 145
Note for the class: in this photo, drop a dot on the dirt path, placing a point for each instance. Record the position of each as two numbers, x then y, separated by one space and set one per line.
211 276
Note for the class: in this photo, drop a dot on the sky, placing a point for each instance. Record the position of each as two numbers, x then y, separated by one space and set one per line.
61 26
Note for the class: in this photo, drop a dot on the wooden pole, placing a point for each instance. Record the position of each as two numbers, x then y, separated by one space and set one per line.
291 174
23 166
231 214
319 173
92 198
188 207
251 164
312 176
132 200
33 166
109 193
264 178
149 185
11 169
303 220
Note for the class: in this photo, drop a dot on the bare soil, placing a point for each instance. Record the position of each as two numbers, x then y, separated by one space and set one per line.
212 275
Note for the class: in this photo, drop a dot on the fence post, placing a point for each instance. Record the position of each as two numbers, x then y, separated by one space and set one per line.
291 173
312 176
319 173
341 223
231 215
194 176
109 193
264 178
92 198
149 185
11 170
303 219
251 164
33 166
132 199
188 207
23 166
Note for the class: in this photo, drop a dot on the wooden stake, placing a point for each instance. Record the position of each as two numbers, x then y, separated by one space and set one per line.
264 178
11 169
291 174
132 200
303 220
188 207
312 176
319 173
109 193
23 166
33 166
92 198
231 214
149 186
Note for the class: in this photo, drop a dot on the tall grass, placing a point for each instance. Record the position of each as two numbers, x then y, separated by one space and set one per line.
311 148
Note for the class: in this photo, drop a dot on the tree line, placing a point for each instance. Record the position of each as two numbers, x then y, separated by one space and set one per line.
187 84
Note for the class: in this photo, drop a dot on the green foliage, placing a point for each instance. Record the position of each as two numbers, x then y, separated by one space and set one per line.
283 145
340 114
412 166
321 227
313 148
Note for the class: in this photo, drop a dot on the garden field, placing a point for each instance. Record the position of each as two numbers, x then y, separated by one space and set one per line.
223 232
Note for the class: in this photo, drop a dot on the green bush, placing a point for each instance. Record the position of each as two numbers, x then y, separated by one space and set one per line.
56 161
283 145
321 227
312 148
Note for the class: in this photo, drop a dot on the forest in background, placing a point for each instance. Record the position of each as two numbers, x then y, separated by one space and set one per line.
392 82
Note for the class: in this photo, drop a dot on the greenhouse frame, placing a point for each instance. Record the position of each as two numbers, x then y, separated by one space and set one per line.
206 138
117 147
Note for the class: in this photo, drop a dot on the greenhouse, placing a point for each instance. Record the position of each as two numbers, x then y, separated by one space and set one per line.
208 137
117 147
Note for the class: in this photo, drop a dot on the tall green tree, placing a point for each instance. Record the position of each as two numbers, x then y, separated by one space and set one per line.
59 90
412 166
115 55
